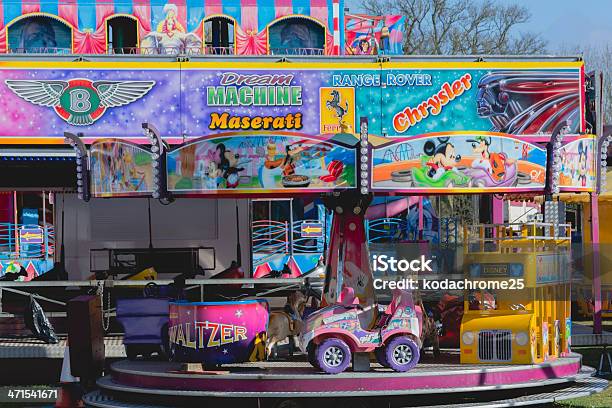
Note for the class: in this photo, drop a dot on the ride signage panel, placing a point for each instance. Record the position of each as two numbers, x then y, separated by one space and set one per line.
31 235
189 100
311 230
262 163
520 99
463 162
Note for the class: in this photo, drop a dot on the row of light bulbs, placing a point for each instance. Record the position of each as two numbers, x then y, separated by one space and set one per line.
604 163
363 150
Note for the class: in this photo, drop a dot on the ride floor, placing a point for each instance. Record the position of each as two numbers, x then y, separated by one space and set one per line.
274 383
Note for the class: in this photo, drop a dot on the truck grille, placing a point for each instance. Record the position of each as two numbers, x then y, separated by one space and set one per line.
495 345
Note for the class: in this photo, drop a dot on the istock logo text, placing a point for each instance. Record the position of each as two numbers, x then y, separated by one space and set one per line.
384 263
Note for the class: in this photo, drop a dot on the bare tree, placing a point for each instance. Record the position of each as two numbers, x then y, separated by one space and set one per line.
461 26
596 58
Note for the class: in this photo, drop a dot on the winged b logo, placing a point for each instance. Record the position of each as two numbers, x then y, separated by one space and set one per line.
79 101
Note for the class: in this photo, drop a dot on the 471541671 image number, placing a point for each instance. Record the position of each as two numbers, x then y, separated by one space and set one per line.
28 394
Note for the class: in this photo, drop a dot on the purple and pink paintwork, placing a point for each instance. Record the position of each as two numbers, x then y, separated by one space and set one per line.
216 333
347 328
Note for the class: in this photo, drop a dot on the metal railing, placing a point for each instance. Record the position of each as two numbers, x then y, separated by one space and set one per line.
386 229
173 50
18 241
155 51
40 50
296 51
530 236
270 237
29 289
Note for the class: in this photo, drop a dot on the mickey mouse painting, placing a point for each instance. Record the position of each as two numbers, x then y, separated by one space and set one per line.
443 157
229 166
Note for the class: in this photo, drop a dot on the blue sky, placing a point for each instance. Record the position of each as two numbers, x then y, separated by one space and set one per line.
561 22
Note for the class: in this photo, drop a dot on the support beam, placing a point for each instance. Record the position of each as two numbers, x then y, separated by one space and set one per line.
348 263
498 210
596 264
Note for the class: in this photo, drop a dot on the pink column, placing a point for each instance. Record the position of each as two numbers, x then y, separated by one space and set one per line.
596 264
498 211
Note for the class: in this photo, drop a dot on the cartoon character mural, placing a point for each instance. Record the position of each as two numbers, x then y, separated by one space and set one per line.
120 168
490 168
371 35
439 165
577 165
170 35
307 163
229 162
461 162
442 157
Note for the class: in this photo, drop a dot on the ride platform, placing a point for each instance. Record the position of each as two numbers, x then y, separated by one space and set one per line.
130 383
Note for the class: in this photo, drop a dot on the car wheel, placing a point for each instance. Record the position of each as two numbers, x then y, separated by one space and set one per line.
333 356
402 176
380 357
402 353
312 356
523 178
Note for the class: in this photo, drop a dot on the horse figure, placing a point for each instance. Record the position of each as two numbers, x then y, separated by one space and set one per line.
334 104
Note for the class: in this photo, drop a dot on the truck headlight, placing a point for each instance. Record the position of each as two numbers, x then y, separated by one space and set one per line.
467 338
521 338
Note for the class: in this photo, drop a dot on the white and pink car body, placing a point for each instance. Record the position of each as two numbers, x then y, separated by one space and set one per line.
364 329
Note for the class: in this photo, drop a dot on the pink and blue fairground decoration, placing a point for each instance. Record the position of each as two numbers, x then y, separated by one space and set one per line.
216 333
333 334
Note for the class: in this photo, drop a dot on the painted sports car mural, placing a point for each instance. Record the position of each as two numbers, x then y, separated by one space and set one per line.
464 162
536 102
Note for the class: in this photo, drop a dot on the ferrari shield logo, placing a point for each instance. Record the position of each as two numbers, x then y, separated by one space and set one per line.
80 102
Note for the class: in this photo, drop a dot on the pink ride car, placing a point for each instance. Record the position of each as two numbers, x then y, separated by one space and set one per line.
332 334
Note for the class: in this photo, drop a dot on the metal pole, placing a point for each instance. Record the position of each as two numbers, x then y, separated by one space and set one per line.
290 231
15 222
150 227
62 256
238 248
44 217
596 264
